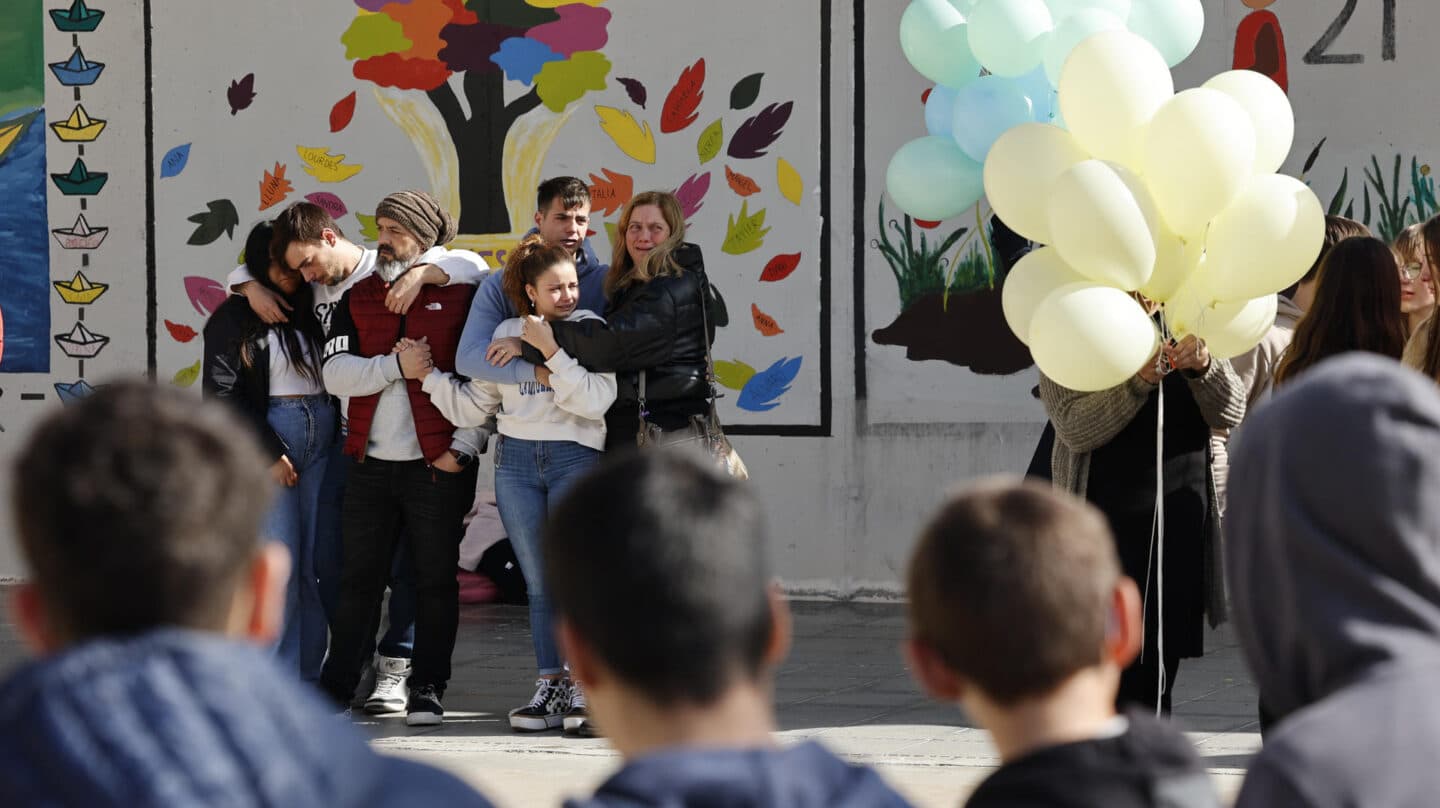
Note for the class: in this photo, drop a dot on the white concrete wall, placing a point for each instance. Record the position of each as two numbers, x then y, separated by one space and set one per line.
844 505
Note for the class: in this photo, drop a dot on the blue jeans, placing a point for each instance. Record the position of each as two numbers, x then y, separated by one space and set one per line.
307 427
399 638
530 479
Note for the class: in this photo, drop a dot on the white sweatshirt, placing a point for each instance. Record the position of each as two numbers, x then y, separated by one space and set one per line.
571 409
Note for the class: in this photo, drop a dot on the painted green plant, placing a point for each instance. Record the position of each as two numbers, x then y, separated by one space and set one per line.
1385 211
921 266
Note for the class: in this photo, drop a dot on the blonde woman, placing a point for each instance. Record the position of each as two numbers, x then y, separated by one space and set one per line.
654 329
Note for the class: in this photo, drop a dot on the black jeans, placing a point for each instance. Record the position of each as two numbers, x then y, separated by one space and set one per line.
387 502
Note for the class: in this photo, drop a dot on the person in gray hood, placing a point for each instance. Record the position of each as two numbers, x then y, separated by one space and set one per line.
1334 570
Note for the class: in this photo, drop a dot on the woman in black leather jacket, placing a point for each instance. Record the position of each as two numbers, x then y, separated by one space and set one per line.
654 325
270 375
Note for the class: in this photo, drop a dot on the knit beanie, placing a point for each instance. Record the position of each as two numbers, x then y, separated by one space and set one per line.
421 214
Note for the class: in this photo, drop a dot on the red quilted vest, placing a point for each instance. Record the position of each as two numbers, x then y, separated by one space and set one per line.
438 314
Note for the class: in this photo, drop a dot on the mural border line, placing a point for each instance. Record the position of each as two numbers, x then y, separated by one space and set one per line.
151 293
825 429
858 238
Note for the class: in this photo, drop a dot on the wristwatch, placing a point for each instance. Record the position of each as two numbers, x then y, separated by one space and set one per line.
462 459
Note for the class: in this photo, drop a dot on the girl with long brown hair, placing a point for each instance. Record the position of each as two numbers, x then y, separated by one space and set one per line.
1356 308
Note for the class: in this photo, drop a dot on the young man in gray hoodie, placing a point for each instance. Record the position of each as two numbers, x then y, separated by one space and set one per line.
1334 568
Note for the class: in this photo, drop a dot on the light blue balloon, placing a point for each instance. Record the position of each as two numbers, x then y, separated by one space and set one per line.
1172 26
931 179
935 38
1044 99
939 111
984 110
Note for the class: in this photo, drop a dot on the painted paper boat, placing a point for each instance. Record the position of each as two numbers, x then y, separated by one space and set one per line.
80 236
73 392
80 290
11 130
80 181
77 71
81 342
79 17
79 127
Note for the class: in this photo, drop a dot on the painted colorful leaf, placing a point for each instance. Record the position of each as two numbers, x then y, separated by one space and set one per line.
368 230
324 166
764 323
691 194
330 202
780 267
741 184
683 102
746 90
761 392
791 186
274 187
734 374
612 232
342 112
180 332
757 134
219 217
610 193
635 90
241 93
187 376
710 141
637 141
174 161
205 295
744 232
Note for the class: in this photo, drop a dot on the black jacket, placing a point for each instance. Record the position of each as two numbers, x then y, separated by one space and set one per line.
656 327
225 377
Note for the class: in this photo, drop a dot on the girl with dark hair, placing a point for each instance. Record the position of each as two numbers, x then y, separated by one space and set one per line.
1356 308
270 373
551 432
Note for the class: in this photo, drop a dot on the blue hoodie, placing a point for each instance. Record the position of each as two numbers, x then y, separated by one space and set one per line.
182 718
803 776
491 307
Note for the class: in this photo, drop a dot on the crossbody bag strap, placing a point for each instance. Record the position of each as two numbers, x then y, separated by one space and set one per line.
705 337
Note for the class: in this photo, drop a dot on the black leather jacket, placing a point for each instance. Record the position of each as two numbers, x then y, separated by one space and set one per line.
225 377
656 327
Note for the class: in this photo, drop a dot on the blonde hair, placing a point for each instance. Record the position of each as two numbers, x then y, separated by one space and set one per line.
660 261
1410 244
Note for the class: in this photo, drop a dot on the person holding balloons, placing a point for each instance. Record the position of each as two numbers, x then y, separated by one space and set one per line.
1356 308
1105 450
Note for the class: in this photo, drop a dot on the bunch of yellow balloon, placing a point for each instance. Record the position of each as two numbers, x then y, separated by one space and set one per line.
1173 196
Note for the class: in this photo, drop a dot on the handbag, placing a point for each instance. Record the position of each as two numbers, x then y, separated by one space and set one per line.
704 431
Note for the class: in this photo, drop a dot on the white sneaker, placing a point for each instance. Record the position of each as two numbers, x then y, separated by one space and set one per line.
390 694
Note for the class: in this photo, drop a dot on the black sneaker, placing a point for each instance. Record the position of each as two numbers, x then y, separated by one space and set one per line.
423 708
546 709
577 720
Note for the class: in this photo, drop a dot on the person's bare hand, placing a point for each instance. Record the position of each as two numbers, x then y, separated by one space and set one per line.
1150 372
542 375
268 305
415 362
1189 354
446 463
282 471
537 332
401 344
405 290
503 351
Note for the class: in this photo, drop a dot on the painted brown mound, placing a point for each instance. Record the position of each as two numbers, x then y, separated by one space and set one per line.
969 332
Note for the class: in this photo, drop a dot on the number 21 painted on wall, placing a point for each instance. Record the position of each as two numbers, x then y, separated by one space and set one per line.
1319 52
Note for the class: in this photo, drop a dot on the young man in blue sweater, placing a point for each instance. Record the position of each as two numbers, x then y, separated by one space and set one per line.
668 615
151 608
562 217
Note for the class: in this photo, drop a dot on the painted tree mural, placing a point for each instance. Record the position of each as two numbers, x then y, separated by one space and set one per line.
550 47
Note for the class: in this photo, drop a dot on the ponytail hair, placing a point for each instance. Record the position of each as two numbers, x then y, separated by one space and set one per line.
525 264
